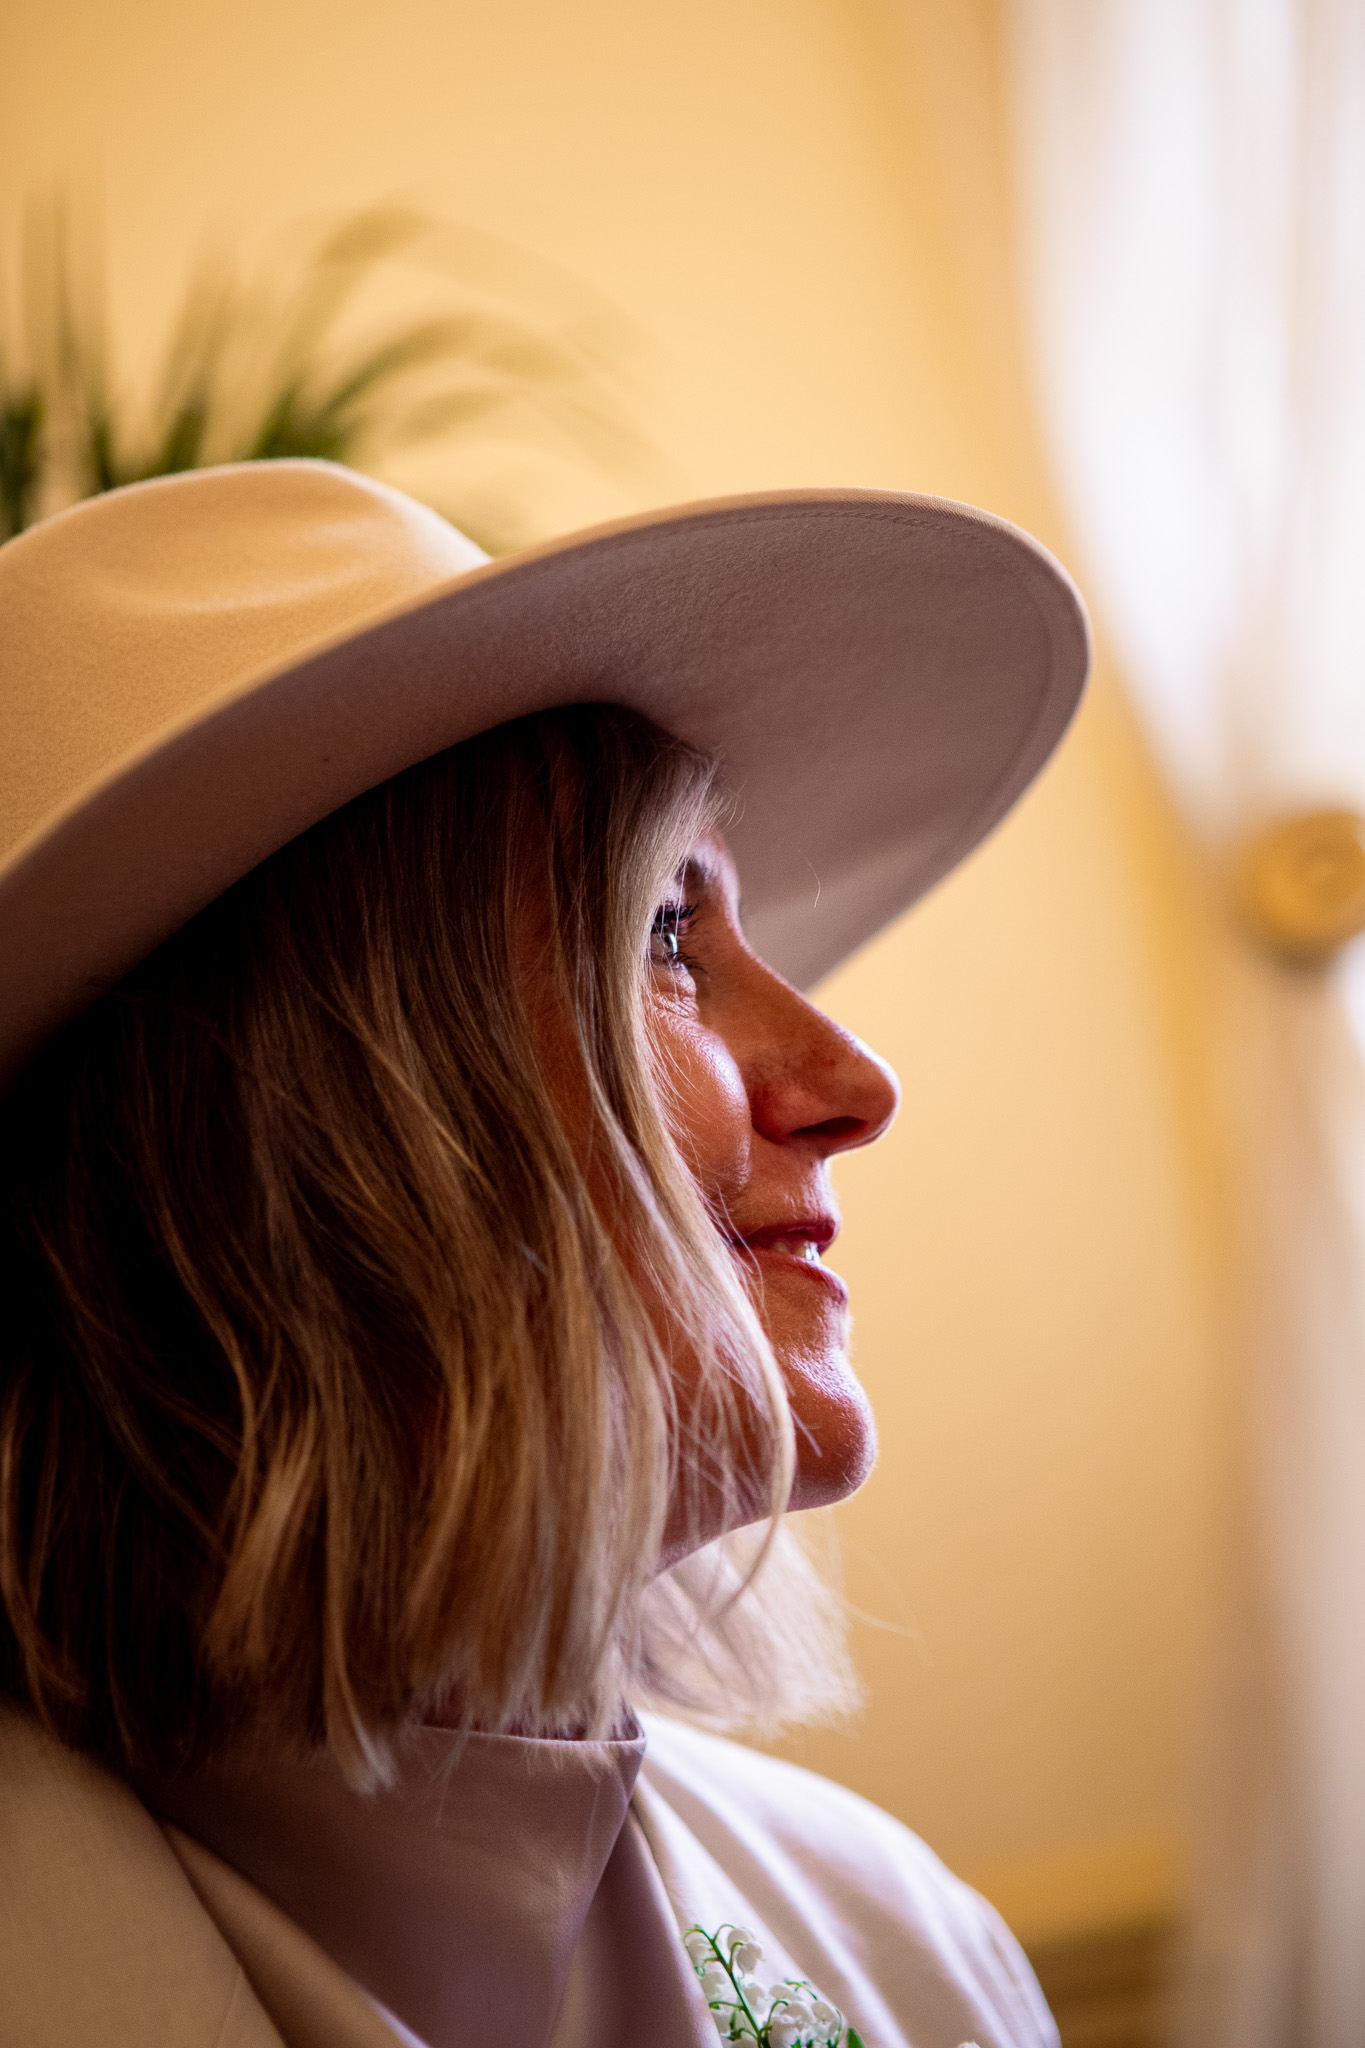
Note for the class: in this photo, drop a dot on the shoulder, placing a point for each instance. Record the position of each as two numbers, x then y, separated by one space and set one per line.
820 1862
729 1792
101 1936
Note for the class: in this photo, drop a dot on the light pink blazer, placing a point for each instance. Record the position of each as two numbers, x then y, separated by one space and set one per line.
549 1884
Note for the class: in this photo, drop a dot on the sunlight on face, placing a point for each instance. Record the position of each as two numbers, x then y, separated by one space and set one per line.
765 1092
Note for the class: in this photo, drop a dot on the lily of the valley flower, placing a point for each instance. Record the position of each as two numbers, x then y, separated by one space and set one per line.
791 2014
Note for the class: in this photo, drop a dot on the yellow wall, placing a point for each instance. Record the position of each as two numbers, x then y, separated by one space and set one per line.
803 202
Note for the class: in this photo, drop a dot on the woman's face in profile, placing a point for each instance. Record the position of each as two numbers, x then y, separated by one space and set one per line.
764 1091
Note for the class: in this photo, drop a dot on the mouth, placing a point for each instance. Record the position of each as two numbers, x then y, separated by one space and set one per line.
803 1237
796 1245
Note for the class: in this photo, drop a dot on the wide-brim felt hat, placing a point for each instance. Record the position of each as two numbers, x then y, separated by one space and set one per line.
194 670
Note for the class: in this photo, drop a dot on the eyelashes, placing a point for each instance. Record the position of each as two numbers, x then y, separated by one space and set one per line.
671 924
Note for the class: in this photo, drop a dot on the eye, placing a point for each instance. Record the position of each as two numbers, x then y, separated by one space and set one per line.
671 922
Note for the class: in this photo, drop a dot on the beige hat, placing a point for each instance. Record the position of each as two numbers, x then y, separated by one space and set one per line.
195 669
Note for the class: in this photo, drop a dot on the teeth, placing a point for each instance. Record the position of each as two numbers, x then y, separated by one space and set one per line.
806 1249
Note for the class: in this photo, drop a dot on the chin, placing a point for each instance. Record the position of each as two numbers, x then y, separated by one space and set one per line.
805 1313
836 1436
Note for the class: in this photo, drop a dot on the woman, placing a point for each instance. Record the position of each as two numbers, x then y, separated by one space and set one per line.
414 1192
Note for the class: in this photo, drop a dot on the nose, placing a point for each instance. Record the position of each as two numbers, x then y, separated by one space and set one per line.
810 1082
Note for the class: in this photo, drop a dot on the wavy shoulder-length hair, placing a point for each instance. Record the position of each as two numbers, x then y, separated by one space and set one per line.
339 1363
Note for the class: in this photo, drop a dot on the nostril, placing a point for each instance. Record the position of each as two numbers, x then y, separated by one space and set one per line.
833 1127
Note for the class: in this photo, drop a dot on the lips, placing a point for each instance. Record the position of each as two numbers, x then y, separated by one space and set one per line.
802 1236
793 1243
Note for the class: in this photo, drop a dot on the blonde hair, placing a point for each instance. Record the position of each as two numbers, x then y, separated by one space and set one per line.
339 1376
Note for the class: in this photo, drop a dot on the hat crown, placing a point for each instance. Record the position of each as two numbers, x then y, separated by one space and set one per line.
136 612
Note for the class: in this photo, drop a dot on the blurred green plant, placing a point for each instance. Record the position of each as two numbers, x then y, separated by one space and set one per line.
309 359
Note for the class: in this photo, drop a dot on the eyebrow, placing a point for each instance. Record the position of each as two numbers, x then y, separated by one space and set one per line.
697 873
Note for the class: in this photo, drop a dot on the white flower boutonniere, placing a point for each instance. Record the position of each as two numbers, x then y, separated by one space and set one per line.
791 2014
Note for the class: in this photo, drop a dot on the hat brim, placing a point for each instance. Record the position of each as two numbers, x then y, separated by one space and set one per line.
882 675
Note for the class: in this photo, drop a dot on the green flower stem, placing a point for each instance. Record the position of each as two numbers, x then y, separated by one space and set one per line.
738 2007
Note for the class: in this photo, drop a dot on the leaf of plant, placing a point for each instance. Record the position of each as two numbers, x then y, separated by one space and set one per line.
262 371
21 444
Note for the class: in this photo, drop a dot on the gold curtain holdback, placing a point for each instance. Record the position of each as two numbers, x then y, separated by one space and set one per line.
1300 885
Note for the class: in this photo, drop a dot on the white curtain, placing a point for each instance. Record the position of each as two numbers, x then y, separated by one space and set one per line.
1191 183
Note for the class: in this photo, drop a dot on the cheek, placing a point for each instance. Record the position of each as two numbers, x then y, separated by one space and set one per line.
706 1105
